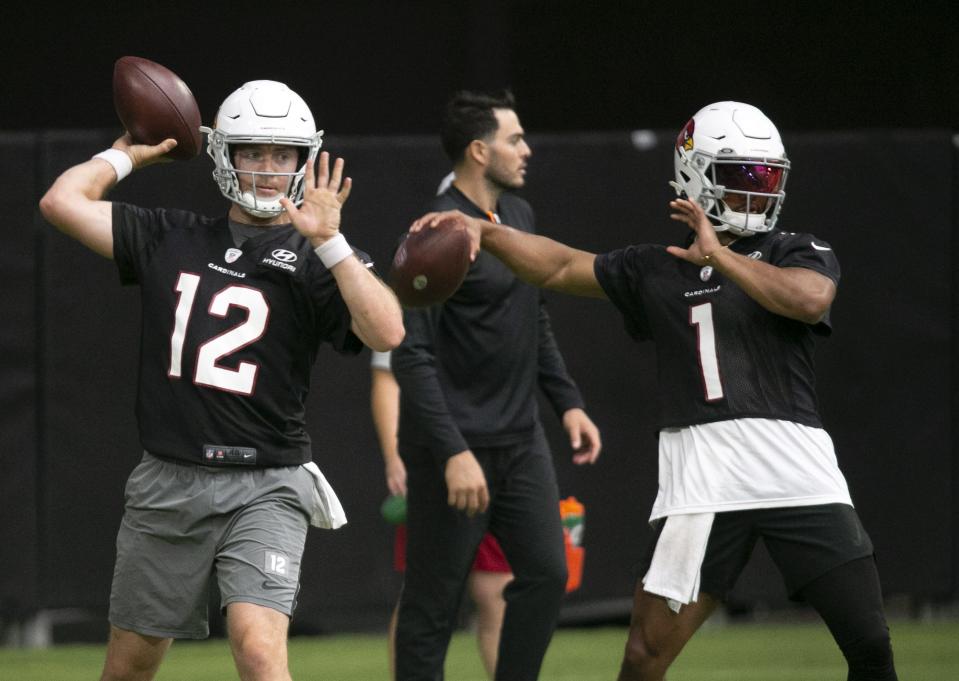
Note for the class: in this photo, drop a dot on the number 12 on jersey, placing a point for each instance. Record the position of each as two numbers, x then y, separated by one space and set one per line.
242 379
701 316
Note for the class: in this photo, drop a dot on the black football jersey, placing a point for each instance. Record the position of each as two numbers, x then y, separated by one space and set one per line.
720 354
229 335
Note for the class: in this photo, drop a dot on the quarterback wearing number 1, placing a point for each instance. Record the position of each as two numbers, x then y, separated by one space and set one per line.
733 313
233 312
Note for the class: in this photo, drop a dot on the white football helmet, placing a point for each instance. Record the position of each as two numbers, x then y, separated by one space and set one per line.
261 112
730 159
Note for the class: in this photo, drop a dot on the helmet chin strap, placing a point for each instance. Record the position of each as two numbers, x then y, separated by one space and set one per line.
743 224
262 209
738 231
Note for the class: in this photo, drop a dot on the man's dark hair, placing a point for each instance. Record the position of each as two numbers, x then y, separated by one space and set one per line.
469 116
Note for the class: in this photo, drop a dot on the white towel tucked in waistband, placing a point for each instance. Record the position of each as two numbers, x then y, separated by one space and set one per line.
327 513
678 558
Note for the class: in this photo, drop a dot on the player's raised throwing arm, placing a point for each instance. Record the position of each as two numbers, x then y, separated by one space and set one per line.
535 259
74 203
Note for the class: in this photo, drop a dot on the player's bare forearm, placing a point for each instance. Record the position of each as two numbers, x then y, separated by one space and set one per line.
384 405
542 261
74 205
377 316
793 292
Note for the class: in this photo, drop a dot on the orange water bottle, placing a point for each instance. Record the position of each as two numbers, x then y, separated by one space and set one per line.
572 512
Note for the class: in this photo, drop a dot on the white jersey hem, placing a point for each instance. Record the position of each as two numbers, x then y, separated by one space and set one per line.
751 505
748 463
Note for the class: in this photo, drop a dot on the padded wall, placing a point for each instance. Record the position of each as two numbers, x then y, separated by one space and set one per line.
19 390
883 199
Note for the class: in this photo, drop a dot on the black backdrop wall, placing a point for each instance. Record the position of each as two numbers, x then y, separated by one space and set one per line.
884 199
384 67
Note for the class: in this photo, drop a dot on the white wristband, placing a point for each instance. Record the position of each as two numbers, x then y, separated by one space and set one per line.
122 165
333 251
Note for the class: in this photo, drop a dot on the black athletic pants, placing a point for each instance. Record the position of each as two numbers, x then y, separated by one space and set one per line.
441 545
849 600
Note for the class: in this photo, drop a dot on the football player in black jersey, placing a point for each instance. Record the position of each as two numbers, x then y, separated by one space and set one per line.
470 435
733 312
233 311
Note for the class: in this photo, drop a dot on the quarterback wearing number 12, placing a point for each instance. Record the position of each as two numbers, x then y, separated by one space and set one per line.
234 310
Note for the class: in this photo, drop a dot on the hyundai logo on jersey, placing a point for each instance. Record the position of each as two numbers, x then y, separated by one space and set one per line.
281 259
284 255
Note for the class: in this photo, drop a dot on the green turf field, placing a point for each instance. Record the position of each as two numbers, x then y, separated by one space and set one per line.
754 652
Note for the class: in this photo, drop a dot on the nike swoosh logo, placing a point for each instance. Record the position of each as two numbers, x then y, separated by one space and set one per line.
818 247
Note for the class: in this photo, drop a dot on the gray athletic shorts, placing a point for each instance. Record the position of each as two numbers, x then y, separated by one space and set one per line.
184 522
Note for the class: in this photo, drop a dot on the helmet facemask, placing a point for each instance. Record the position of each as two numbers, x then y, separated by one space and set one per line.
262 113
730 160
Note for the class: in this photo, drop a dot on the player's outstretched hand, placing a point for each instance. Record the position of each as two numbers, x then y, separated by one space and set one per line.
324 193
143 155
694 216
583 436
466 484
472 226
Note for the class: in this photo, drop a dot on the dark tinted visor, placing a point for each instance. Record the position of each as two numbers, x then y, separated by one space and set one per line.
749 177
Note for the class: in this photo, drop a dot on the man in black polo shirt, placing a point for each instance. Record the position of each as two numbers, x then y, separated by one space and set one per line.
470 434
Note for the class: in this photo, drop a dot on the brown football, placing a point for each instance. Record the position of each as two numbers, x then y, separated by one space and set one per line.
153 103
430 264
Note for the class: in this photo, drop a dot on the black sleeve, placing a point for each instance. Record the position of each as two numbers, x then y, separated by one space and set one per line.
620 274
136 233
414 365
554 380
805 250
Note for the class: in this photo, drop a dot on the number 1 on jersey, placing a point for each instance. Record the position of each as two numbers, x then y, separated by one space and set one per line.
701 316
